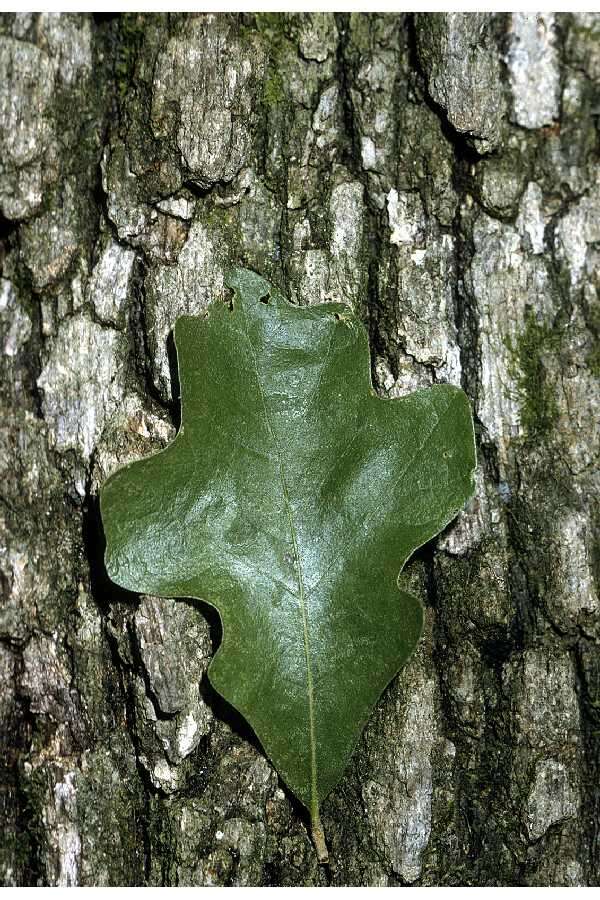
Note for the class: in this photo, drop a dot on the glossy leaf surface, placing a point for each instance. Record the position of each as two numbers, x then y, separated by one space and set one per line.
290 499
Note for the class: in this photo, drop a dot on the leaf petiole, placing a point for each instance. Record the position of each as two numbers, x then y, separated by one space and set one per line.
318 836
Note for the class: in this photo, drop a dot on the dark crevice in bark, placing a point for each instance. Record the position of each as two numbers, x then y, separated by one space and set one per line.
204 191
103 590
33 357
140 668
108 596
453 729
24 809
101 201
8 230
481 791
30 355
465 154
125 673
465 307
377 309
350 148
141 354
587 669
100 18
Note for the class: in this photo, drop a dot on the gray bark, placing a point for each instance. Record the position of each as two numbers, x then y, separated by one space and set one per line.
440 173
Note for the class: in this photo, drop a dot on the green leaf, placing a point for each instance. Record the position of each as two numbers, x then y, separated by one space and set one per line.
289 500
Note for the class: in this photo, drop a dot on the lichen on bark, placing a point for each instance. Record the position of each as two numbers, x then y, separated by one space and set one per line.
403 164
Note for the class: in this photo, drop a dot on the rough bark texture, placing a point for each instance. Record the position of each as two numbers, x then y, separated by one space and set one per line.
440 173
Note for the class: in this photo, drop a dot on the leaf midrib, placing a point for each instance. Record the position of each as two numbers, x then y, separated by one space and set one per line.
314 809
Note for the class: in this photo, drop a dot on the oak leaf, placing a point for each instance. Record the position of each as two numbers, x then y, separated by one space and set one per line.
290 500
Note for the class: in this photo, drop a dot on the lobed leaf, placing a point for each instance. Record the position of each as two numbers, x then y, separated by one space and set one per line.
289 500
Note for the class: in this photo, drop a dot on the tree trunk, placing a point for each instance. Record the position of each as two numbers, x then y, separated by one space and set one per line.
440 173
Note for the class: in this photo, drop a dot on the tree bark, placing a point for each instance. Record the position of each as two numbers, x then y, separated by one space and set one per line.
440 173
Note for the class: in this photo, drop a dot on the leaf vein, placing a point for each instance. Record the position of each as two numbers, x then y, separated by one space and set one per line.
301 595
340 555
